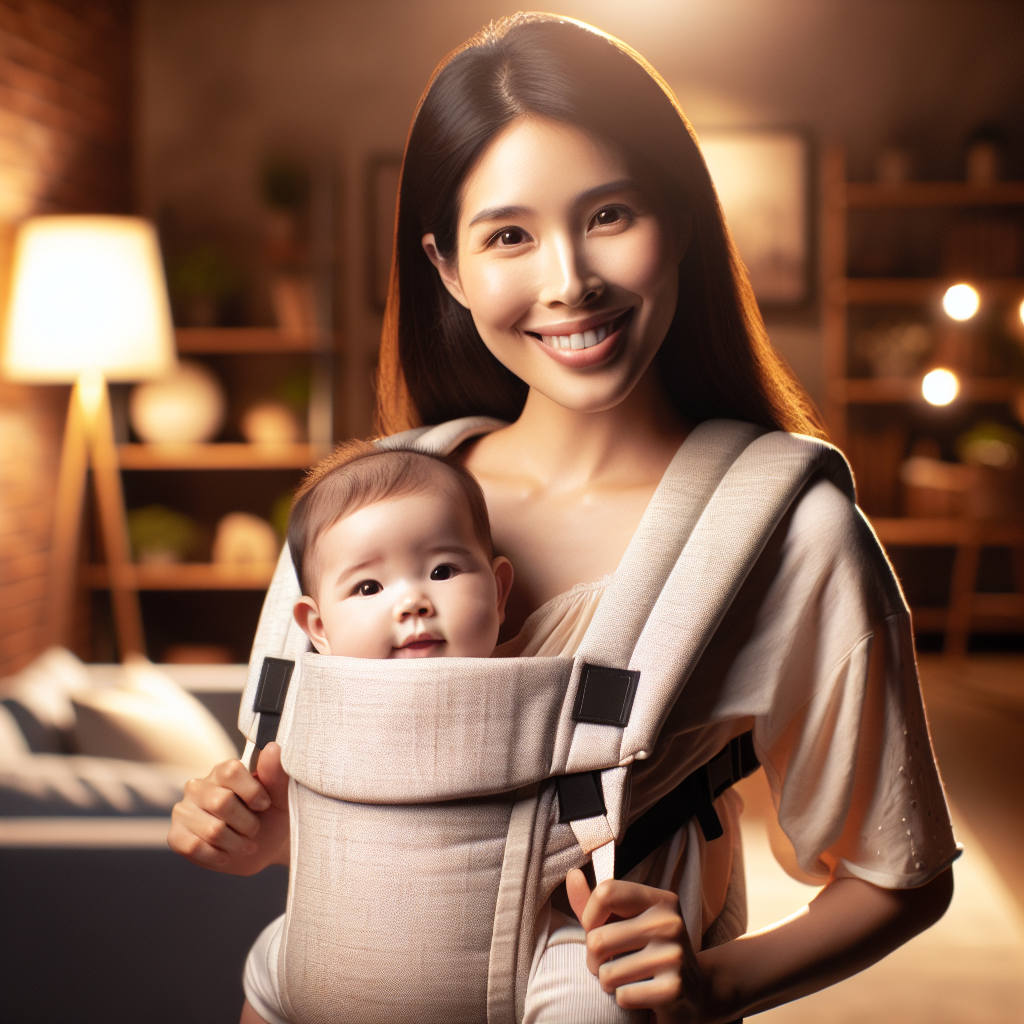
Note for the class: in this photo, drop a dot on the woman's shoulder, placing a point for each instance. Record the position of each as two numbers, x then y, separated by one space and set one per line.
828 534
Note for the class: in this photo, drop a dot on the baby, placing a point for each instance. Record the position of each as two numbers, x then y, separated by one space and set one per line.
393 554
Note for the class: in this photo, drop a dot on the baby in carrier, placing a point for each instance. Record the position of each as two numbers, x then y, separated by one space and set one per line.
393 553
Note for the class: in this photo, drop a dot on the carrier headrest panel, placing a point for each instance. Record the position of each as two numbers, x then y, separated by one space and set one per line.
386 731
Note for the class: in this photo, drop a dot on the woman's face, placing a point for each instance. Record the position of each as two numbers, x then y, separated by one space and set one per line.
568 270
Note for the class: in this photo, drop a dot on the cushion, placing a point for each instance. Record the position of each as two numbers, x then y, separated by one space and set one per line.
147 716
44 689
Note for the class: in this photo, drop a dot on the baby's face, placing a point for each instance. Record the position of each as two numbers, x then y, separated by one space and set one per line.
406 578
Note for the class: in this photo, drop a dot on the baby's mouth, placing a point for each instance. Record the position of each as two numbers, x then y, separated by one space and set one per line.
422 645
582 339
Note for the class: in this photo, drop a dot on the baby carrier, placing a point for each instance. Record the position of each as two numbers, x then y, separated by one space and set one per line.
437 803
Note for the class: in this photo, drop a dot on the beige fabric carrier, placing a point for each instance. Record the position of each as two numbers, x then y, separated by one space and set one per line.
425 832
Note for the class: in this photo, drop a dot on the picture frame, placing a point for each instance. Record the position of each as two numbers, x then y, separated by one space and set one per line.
763 179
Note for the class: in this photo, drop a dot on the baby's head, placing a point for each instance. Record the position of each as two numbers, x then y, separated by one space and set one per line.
393 553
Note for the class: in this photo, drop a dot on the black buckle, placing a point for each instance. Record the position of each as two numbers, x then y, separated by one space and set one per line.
580 796
605 695
275 675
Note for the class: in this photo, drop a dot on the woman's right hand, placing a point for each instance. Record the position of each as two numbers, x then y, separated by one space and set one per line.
233 821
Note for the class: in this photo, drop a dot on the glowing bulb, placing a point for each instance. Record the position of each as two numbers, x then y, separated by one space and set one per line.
961 302
940 387
1020 310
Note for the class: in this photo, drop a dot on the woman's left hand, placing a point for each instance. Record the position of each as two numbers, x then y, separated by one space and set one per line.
638 947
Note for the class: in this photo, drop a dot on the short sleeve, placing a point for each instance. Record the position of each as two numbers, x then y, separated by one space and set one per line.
844 741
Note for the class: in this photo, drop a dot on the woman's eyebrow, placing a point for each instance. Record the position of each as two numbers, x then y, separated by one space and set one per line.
501 212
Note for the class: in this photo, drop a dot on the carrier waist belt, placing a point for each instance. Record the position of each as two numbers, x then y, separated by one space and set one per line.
580 796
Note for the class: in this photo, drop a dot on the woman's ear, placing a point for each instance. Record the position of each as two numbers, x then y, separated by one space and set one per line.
503 575
448 271
307 615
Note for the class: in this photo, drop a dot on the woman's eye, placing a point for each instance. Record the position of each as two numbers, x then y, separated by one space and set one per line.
608 216
443 572
510 237
368 588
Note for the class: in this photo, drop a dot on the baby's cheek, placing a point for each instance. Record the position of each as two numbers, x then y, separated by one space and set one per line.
475 630
357 636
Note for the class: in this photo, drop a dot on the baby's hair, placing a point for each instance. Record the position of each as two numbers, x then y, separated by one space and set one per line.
358 473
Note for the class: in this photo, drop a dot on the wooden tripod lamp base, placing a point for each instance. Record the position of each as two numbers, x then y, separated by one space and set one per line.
88 304
89 440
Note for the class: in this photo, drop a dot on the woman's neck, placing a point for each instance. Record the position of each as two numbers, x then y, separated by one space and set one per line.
634 440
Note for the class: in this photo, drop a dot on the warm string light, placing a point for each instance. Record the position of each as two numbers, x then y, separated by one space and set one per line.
961 302
940 387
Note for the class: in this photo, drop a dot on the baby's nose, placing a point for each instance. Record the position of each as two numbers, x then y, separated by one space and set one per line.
413 605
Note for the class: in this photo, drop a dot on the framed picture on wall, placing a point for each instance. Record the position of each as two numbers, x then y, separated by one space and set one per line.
382 194
763 182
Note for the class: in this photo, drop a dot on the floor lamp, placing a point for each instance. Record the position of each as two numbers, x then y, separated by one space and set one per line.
88 304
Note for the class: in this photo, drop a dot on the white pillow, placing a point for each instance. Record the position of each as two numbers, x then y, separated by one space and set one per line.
147 716
47 685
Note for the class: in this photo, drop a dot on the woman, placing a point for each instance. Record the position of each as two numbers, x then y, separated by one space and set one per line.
562 264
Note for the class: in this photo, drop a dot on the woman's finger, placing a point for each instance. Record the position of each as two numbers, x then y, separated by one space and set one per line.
222 803
660 923
622 899
234 776
651 960
184 841
212 830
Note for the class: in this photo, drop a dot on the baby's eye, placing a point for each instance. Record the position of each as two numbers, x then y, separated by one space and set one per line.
368 588
443 572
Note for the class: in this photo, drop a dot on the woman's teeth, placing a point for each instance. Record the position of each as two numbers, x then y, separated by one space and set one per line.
588 339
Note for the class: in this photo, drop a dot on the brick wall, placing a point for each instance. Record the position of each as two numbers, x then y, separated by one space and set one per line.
65 114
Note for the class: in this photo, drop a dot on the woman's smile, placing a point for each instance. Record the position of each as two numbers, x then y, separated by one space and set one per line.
585 343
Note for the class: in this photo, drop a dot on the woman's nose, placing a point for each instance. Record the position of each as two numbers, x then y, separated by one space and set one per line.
568 279
413 605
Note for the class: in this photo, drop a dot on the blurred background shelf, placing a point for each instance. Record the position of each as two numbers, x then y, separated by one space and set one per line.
216 456
242 341
927 532
188 576
866 195
868 291
908 389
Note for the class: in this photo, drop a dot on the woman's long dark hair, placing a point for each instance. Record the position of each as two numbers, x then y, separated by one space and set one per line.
716 360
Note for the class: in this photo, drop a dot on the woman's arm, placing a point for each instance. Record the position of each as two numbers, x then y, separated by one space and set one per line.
848 926
233 821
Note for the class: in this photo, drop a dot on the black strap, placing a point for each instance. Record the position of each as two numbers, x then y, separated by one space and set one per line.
693 797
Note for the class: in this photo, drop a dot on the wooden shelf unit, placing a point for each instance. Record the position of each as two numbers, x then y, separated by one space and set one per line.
216 456
205 576
838 197
241 341
840 292
188 576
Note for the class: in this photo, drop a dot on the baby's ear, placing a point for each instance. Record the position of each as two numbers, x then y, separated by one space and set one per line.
307 615
503 575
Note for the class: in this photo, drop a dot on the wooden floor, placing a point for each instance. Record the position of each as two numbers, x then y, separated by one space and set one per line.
969 968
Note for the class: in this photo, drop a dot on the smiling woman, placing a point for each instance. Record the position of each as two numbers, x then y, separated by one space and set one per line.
500 104
562 264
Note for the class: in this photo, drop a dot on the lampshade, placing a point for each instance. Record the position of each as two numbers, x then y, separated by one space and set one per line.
87 293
